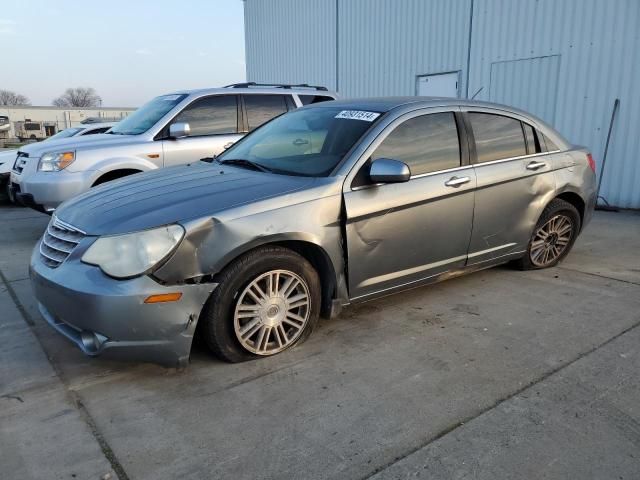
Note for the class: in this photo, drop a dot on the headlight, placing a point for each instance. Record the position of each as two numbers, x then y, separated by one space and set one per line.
130 255
56 161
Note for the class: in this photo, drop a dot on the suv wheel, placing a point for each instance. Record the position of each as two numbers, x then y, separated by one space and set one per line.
553 236
266 301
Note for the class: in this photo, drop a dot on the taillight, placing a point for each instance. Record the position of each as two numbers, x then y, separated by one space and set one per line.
592 162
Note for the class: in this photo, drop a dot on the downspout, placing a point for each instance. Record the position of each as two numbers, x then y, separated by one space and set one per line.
469 49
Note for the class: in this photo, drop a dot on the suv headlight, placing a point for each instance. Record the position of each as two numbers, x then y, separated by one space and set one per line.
56 161
133 254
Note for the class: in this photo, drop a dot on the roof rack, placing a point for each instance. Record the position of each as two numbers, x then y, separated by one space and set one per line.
275 85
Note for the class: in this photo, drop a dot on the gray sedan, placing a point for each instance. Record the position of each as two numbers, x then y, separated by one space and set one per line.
331 204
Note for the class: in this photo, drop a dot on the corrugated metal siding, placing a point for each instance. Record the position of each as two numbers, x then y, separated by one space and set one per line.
291 41
385 44
599 47
505 85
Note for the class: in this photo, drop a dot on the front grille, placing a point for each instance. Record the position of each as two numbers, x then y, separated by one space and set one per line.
21 161
58 242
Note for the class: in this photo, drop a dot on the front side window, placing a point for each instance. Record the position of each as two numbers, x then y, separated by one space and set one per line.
147 116
214 115
427 143
307 142
497 137
262 108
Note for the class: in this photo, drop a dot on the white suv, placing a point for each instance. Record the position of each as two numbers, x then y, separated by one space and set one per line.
8 157
172 129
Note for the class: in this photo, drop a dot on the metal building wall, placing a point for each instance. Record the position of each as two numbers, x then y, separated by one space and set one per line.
597 45
564 60
291 41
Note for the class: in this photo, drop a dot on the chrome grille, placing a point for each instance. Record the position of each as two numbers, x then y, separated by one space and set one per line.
21 161
58 242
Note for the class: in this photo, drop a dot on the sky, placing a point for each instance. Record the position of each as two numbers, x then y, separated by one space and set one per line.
128 50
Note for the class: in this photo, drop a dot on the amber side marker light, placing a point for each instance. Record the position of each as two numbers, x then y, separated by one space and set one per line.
66 159
163 298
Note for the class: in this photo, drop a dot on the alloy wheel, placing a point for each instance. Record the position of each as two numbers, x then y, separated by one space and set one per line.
551 240
272 312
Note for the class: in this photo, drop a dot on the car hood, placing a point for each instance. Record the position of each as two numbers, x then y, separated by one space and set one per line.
73 143
171 195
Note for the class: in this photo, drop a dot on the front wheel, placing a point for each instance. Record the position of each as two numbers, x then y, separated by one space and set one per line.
553 236
266 302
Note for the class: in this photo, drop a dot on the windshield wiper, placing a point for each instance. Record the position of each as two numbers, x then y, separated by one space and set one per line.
241 162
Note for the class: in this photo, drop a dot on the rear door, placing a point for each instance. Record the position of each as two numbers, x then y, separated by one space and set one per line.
403 233
215 124
513 178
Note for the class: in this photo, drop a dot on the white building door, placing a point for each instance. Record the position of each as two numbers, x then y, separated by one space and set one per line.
438 85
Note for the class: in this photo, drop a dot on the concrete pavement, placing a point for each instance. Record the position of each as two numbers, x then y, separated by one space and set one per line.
500 374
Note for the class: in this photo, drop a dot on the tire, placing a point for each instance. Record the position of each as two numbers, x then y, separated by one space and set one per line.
227 315
556 217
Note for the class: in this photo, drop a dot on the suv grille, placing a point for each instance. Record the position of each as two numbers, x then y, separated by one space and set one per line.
58 242
21 161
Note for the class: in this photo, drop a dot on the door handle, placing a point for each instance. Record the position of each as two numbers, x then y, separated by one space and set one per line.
456 181
300 141
535 165
228 145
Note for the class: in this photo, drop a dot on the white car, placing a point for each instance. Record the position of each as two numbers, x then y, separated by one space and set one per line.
8 157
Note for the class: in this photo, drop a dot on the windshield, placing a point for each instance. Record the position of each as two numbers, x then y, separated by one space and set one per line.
308 142
147 115
67 132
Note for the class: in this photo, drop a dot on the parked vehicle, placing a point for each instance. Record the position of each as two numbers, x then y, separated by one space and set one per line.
5 125
332 204
170 130
8 157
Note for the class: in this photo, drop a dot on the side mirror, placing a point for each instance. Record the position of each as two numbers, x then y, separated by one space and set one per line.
179 130
387 170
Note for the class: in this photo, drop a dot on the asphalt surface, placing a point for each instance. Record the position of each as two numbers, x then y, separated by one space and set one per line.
499 374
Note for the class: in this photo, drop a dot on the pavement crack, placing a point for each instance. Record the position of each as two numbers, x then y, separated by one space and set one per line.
13 397
599 275
498 402
16 301
72 396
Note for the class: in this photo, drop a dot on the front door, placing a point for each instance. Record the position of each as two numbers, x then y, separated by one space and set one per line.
214 123
400 234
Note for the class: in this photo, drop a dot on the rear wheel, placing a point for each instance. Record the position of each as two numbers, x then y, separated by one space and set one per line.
553 236
266 302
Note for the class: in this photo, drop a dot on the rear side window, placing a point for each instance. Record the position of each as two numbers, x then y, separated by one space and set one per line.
427 143
262 108
533 146
497 137
214 115
309 99
551 146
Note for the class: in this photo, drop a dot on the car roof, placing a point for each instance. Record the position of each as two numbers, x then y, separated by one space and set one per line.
386 104
255 90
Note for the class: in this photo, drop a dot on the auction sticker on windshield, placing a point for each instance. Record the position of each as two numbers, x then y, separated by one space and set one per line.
358 115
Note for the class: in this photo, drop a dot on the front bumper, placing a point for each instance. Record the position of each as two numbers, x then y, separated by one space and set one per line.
102 315
44 191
